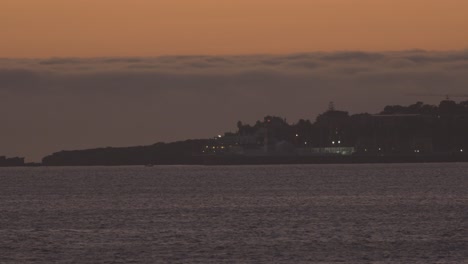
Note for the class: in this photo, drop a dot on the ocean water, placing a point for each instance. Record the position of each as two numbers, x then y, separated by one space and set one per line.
408 213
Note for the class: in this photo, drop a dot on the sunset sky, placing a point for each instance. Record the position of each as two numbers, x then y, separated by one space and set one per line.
80 74
96 28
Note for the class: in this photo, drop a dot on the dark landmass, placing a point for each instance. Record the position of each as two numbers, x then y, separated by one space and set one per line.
351 159
11 162
16 162
183 152
414 133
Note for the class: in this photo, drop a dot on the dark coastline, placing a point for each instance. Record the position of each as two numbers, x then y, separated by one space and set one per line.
240 160
272 160
417 133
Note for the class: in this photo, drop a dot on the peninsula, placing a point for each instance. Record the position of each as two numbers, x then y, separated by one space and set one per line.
414 133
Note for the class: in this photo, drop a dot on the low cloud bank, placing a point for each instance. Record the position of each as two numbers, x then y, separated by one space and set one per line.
67 103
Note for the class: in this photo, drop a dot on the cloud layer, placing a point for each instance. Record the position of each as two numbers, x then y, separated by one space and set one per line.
67 103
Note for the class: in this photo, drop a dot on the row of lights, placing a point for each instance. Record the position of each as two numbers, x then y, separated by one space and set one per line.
214 147
333 143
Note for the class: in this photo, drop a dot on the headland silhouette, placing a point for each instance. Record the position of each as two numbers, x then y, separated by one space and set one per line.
415 133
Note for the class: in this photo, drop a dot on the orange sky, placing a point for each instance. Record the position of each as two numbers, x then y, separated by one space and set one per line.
89 28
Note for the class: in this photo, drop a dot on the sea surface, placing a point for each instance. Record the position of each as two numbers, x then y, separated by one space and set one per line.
393 213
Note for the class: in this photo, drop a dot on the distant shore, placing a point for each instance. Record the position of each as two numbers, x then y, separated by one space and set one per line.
211 160
266 160
398 134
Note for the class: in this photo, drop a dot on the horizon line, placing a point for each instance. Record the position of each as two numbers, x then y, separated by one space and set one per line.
239 54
